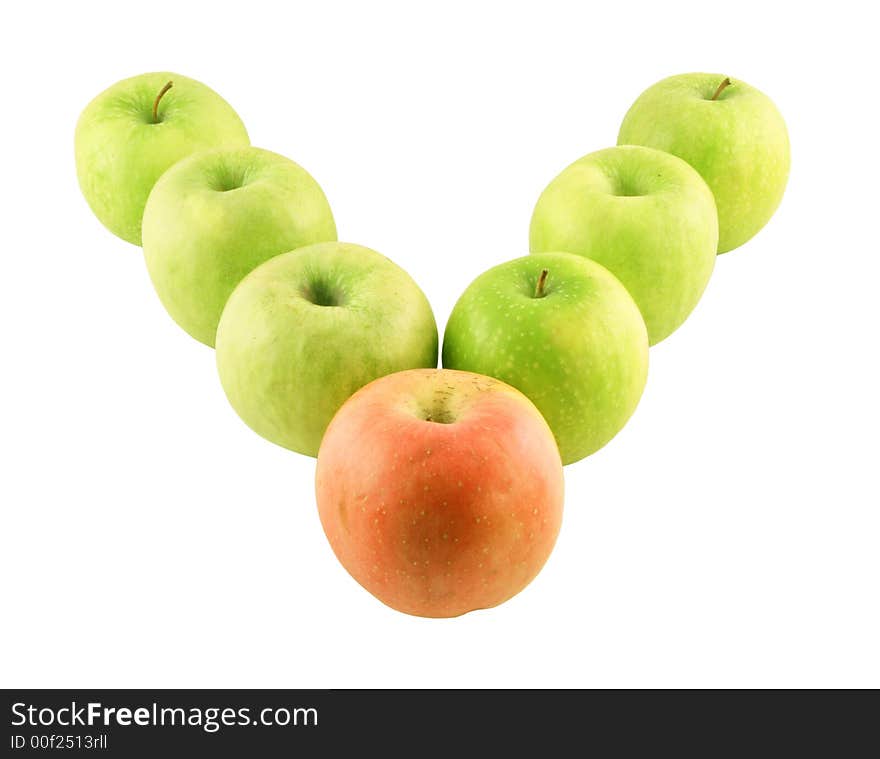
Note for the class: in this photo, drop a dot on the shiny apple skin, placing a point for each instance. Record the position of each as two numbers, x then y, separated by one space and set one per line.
440 491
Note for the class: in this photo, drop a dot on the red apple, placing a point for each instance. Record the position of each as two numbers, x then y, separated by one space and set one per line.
440 491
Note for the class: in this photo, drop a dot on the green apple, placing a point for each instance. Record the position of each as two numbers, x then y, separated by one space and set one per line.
308 328
133 131
728 131
217 215
643 214
565 332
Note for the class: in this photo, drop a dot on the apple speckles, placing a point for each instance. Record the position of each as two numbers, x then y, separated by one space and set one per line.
454 510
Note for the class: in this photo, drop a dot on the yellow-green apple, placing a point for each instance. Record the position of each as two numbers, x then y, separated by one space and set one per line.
563 330
440 491
215 216
730 132
135 130
306 329
643 214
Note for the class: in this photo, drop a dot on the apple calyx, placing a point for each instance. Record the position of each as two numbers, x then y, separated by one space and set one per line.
725 83
542 280
168 86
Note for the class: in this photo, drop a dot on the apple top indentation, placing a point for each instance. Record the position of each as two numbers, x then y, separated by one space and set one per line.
323 294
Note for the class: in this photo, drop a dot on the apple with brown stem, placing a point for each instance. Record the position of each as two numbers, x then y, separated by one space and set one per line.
440 491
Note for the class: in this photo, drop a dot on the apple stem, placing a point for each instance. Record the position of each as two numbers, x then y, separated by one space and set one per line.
542 279
725 83
168 86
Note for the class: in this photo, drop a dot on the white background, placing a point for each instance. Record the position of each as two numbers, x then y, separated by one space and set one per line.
729 536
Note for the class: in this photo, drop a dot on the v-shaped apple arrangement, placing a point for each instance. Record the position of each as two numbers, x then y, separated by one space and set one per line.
440 490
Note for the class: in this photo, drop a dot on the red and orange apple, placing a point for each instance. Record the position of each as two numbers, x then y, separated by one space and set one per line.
440 491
